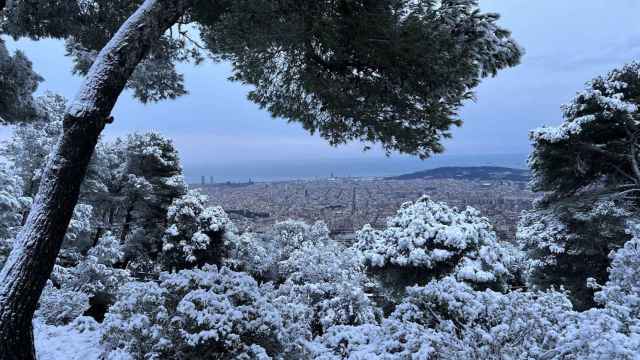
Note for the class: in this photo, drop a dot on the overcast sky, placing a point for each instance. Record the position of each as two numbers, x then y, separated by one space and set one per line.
567 43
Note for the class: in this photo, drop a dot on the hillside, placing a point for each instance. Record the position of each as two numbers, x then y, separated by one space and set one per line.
469 173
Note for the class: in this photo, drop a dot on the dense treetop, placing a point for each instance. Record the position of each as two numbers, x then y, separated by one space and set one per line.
597 143
19 81
388 71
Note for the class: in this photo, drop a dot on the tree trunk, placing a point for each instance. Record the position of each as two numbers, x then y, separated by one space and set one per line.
38 243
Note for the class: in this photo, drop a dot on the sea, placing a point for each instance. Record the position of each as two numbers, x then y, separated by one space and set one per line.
322 168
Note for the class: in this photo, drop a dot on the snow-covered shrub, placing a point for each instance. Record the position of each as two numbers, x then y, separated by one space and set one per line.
263 254
210 312
448 318
60 306
621 293
597 334
569 241
389 341
612 332
324 287
292 235
488 323
12 208
195 234
428 240
94 276
254 254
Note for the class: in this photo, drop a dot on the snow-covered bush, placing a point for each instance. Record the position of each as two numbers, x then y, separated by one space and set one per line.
568 242
597 334
621 293
611 332
93 280
292 235
389 341
96 274
12 208
195 235
324 287
262 255
253 253
489 324
210 312
449 317
428 240
60 306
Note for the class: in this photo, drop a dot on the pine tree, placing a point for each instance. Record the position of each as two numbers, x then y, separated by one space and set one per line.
427 240
12 204
588 170
195 234
19 82
152 180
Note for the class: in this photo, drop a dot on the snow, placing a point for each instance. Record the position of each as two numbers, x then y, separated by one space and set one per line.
77 341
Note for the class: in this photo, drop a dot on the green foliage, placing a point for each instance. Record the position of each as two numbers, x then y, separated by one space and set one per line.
19 82
569 241
196 235
588 170
597 143
388 71
151 180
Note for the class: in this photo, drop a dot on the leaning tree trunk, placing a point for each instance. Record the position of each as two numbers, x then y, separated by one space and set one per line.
38 243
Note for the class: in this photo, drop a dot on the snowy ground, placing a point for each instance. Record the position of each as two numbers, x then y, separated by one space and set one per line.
76 341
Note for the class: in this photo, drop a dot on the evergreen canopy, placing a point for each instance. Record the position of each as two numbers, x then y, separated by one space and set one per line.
388 71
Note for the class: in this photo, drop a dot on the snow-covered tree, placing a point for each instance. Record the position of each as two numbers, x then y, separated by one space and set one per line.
587 168
569 242
196 234
12 205
428 240
31 143
19 82
212 311
379 71
152 180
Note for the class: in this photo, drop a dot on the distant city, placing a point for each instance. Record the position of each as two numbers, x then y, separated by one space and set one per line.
348 203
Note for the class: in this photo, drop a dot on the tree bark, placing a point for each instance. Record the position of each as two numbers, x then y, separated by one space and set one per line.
38 243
